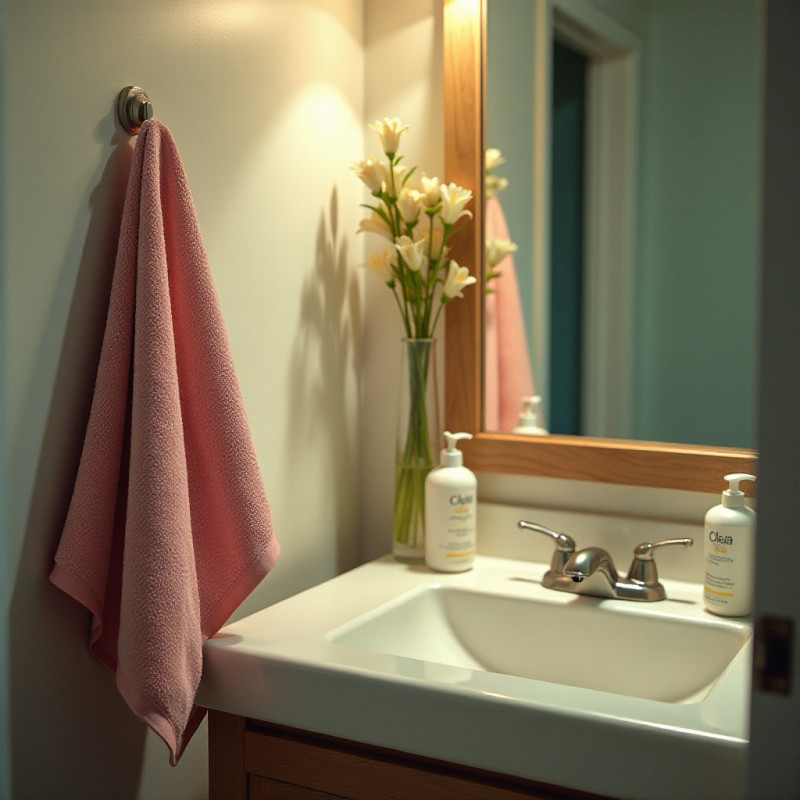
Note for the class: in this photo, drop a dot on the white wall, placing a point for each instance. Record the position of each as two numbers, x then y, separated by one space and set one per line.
265 100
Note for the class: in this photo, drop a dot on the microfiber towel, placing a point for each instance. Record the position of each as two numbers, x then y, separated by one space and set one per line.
508 375
169 527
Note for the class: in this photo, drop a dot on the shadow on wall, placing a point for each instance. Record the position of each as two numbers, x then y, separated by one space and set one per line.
72 734
325 389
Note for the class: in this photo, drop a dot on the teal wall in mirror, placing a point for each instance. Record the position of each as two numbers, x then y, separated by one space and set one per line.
682 365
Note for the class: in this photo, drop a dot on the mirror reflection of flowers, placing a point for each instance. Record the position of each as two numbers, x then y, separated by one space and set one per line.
418 215
494 183
496 249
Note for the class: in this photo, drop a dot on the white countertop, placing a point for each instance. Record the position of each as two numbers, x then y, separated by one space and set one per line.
280 665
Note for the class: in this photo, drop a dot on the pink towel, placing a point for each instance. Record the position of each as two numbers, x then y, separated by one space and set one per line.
508 376
169 528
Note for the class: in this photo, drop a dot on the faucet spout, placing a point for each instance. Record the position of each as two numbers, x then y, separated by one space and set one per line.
589 561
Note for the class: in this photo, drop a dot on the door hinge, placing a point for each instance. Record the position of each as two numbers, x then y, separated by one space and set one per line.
772 660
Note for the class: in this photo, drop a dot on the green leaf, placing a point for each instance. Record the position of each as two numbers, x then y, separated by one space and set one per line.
379 211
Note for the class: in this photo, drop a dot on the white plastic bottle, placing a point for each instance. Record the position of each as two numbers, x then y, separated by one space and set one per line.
729 551
451 494
530 419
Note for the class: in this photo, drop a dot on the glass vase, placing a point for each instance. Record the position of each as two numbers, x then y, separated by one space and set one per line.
418 433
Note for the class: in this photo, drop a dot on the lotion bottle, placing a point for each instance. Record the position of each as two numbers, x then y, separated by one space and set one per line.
530 419
729 552
450 503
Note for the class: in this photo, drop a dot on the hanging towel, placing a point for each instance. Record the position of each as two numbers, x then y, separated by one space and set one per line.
508 376
169 528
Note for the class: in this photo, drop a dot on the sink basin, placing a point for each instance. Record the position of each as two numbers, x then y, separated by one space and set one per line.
580 643
491 670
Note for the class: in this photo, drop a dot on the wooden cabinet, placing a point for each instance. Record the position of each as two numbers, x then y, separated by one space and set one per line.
251 760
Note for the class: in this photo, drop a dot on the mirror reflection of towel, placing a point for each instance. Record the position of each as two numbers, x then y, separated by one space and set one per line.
508 376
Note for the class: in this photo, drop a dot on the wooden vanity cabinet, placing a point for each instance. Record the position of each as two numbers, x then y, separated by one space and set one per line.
252 760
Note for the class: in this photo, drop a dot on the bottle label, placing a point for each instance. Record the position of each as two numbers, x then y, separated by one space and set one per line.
459 542
719 540
718 591
729 555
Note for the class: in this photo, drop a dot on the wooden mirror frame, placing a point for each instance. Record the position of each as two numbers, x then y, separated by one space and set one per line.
633 463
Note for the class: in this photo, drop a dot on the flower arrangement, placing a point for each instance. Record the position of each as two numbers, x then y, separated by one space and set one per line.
417 215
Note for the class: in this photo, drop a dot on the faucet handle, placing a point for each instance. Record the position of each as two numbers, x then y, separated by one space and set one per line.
563 542
565 547
643 567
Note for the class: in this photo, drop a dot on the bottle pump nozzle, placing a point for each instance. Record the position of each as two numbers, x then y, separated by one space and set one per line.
451 455
733 497
530 407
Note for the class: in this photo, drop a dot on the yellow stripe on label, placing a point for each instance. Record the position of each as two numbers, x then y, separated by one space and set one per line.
720 594
461 555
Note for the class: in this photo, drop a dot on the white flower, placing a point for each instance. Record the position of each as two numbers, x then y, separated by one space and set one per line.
398 171
494 184
454 198
417 214
389 131
374 223
369 170
413 253
458 278
408 203
430 191
381 264
494 158
497 250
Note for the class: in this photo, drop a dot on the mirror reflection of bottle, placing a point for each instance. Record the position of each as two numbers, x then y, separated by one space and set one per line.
530 418
729 552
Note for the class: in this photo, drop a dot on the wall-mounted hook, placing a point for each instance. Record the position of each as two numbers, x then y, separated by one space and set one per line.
133 108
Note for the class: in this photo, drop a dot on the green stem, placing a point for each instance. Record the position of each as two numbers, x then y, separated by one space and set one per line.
436 318
415 453
402 314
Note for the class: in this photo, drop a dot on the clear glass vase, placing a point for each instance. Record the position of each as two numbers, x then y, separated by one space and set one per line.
418 432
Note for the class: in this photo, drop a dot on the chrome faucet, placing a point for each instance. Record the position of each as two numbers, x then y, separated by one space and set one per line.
591 571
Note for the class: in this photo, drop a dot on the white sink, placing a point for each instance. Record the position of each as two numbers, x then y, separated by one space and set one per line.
583 643
491 670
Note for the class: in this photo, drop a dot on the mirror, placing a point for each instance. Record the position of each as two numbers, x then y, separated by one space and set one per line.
689 467
630 132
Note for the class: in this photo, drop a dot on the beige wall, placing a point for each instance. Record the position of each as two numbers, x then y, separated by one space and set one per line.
265 100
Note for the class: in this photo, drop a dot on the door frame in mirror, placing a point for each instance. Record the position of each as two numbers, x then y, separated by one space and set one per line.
633 463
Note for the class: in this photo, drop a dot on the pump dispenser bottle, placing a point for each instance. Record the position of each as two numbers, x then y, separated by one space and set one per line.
450 501
530 419
729 551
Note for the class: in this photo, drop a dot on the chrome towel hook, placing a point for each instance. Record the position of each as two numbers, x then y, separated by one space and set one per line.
133 108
